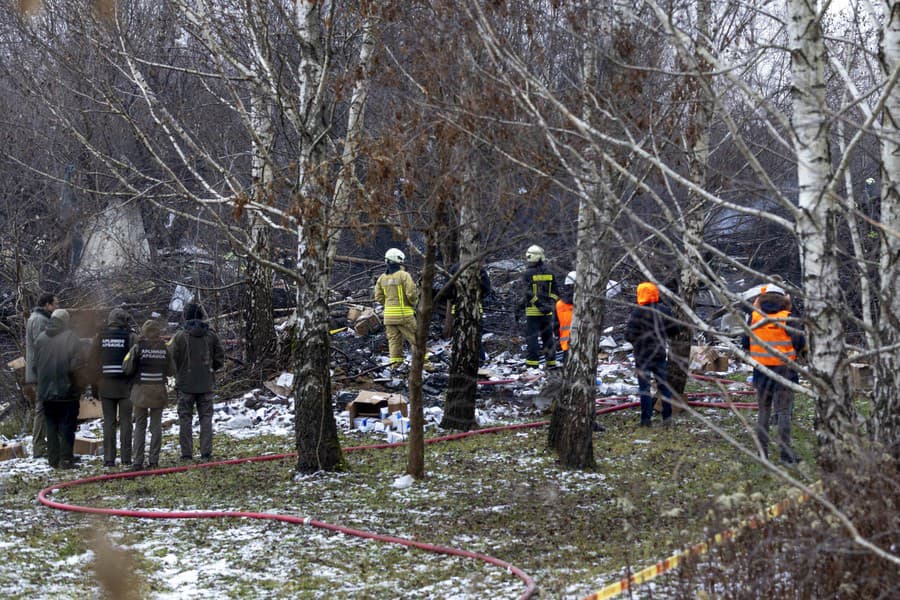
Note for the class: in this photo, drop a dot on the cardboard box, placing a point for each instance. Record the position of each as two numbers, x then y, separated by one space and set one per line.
87 447
369 404
16 364
354 311
708 358
11 450
281 386
90 408
368 322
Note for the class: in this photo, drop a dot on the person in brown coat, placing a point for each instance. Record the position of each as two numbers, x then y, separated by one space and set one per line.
148 364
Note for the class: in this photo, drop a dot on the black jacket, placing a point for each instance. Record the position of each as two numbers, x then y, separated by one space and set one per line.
648 330
196 353
60 363
539 290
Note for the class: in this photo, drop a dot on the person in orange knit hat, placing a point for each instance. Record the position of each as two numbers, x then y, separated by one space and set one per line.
648 330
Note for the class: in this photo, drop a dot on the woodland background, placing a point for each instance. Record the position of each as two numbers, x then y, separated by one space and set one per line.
249 151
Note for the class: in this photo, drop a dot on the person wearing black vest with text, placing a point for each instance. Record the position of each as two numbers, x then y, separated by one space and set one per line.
776 341
108 351
538 299
148 364
196 353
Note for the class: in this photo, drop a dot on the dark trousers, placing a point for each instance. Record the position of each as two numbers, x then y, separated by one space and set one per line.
781 399
111 408
539 340
61 417
659 370
204 404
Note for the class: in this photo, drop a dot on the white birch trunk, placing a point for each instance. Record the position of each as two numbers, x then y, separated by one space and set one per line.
816 232
347 180
258 321
886 417
696 142
459 408
570 432
315 429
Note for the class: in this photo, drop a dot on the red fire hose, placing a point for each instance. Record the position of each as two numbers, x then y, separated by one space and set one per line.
530 587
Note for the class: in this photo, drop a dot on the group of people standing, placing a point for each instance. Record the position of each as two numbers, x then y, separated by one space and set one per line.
128 372
775 341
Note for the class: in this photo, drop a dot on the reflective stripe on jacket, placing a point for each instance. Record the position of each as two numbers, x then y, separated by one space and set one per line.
398 294
770 330
564 316
114 345
542 295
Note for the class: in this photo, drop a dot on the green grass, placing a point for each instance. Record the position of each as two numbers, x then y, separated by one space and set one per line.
653 492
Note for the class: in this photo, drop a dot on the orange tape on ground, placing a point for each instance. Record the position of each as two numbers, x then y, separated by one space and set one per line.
664 566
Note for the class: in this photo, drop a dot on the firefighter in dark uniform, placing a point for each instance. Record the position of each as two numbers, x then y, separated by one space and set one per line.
108 351
538 300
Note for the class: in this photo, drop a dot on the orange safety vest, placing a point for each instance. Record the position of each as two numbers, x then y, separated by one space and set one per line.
770 330
564 316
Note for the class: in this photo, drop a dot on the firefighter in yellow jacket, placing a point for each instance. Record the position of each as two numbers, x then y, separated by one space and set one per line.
397 292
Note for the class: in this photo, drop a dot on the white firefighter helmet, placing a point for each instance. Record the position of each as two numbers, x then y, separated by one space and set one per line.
772 288
534 254
394 256
570 278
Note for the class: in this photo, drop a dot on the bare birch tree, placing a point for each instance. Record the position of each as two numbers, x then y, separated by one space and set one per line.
886 420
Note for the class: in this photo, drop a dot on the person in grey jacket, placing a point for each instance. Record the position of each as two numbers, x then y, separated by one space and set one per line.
36 324
60 365
108 350
148 364
196 353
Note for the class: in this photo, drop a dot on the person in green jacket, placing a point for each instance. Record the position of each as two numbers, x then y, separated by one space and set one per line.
36 324
197 354
60 366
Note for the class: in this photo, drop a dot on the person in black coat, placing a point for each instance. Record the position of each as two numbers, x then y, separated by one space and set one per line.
538 296
648 330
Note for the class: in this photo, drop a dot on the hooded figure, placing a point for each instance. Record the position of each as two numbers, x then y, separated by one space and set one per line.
196 354
148 363
648 330
36 324
108 350
60 371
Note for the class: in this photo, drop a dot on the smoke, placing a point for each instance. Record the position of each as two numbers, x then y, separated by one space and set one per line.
28 7
104 10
